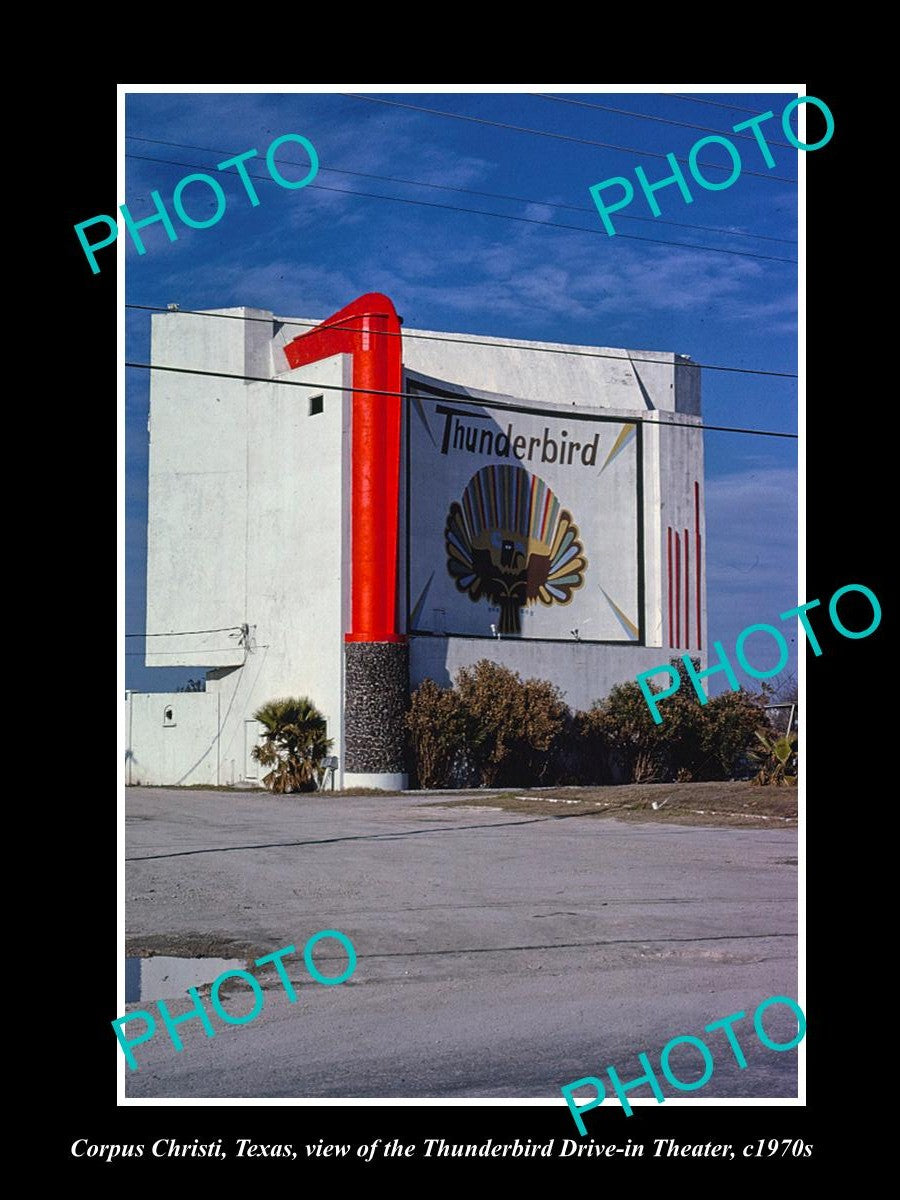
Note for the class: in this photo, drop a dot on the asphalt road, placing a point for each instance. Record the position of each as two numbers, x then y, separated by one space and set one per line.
498 955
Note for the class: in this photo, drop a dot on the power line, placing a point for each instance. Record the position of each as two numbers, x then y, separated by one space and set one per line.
338 387
185 650
186 632
563 137
714 103
624 112
445 187
463 341
322 187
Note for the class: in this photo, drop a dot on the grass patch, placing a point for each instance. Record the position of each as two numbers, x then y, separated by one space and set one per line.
730 803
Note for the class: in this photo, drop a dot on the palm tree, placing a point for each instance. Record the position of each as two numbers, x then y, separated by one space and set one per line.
294 744
779 759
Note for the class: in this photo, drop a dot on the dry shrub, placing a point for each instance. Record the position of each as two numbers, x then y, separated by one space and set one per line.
494 729
646 768
514 729
587 753
436 726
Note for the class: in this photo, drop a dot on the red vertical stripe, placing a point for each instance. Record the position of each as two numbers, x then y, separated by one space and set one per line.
697 558
669 584
687 593
699 638
677 590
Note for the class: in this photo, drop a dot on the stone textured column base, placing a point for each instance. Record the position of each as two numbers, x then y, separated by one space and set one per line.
376 697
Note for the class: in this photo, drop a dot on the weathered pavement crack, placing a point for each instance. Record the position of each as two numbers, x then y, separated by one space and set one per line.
367 837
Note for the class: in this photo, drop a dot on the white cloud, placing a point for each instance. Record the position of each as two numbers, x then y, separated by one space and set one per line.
437 260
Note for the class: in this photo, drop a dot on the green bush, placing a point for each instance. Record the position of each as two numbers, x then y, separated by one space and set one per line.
706 741
732 720
623 720
682 733
694 741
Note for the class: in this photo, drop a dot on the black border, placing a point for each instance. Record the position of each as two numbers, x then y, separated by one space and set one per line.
845 540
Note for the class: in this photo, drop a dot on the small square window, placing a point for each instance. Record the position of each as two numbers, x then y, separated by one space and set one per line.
316 405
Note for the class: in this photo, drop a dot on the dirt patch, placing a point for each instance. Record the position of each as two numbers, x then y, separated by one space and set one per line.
728 804
190 945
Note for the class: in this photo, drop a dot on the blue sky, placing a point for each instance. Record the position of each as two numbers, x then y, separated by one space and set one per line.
311 251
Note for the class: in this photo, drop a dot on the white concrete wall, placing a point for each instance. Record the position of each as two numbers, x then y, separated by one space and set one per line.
179 749
680 467
297 557
198 492
250 522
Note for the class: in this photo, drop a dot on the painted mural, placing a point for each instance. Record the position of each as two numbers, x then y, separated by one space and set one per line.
511 541
523 520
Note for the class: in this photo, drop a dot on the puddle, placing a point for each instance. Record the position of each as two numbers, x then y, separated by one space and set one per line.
162 978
